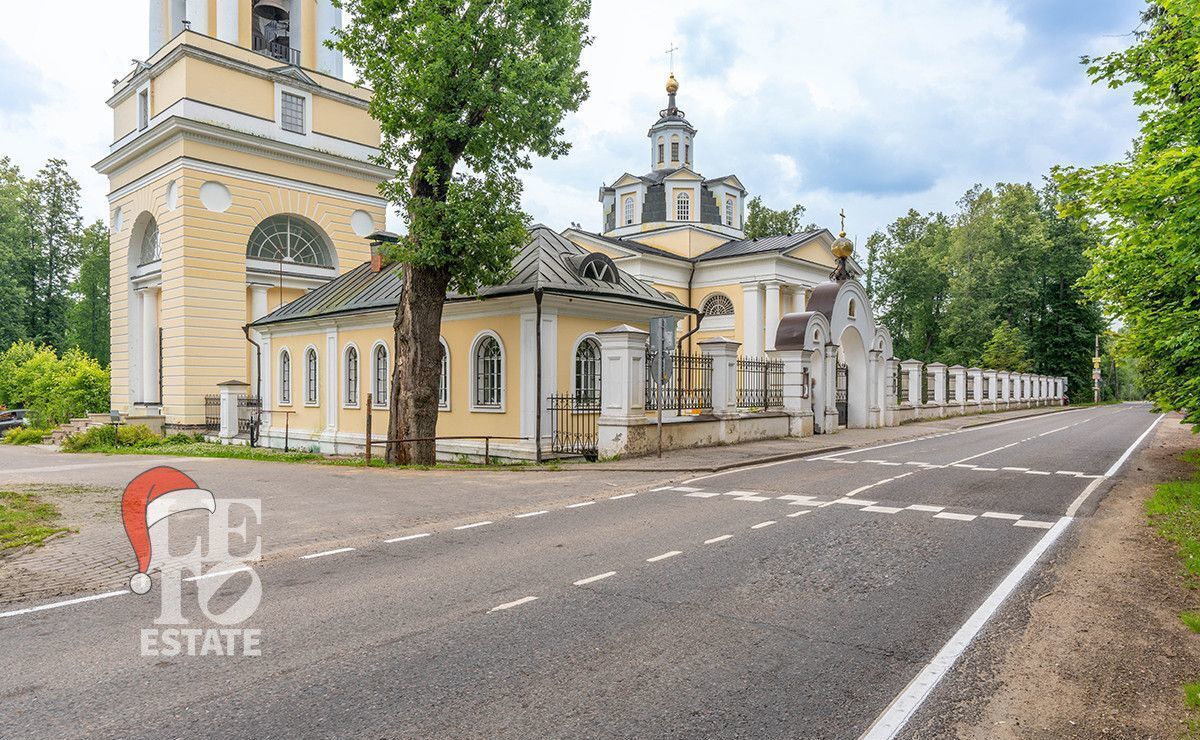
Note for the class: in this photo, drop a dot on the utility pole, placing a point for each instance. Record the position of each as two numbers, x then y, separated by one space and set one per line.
1096 372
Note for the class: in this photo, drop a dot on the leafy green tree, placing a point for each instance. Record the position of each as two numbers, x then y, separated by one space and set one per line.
1145 207
762 221
910 285
89 315
464 92
1007 350
53 388
55 225
15 259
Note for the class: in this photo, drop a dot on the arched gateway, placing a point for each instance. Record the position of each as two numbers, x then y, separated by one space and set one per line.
846 352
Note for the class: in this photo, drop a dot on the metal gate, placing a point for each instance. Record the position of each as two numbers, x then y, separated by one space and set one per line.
840 396
249 417
574 421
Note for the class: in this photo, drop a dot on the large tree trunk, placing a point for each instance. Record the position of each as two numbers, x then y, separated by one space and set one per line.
414 397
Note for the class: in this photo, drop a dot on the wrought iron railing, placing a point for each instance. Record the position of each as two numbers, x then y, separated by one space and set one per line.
952 389
276 50
759 383
688 389
212 414
249 416
901 380
574 423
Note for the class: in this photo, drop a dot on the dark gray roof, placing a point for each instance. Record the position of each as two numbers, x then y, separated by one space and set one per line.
545 262
741 247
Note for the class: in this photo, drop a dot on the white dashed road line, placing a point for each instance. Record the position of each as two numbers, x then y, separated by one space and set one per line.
1032 523
760 525
511 604
623 495
926 508
664 556
338 551
578 505
955 516
475 524
882 509
722 538
999 515
528 514
217 574
407 537
60 604
593 579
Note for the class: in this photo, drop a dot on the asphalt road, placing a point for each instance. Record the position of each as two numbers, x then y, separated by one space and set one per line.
795 599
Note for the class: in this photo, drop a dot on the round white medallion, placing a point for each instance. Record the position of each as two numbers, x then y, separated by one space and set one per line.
362 223
215 196
173 195
118 219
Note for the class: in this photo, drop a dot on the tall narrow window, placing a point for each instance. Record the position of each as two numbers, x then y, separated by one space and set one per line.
291 113
285 377
729 211
628 210
660 151
351 377
444 379
151 244
310 377
489 373
687 154
143 112
381 375
674 151
683 207
587 371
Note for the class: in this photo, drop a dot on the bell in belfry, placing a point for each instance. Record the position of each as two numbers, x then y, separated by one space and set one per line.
272 10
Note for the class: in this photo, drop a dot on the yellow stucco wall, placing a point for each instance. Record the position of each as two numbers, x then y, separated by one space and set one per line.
684 242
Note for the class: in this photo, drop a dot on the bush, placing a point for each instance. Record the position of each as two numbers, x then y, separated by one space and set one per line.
24 436
107 437
54 389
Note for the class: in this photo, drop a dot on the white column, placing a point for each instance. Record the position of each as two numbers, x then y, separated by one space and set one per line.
258 309
797 403
333 389
752 320
798 299
912 368
158 27
938 371
197 15
773 314
724 380
622 386
329 19
976 379
150 345
990 381
230 390
227 20
298 21
177 10
958 381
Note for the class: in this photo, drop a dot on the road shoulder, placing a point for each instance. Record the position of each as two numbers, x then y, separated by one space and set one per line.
1093 646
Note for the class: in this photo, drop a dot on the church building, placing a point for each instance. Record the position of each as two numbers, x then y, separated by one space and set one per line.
243 193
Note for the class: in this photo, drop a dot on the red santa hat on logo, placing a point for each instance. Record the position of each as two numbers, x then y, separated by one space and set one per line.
148 499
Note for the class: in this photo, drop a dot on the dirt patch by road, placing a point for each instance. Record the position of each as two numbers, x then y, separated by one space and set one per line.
1094 648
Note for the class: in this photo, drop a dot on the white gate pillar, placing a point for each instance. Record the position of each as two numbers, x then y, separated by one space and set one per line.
622 386
913 369
958 381
937 372
975 377
797 401
230 390
724 378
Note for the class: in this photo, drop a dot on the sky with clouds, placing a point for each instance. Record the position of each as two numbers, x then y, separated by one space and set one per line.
875 106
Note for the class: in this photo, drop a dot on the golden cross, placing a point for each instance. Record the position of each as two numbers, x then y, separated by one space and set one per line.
843 215
671 51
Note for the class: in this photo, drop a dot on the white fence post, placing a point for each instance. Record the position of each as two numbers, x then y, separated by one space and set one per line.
723 352
623 386
230 390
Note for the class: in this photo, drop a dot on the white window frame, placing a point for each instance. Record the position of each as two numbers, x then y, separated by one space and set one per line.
285 377
444 377
588 337
380 400
686 197
291 136
662 150
347 389
312 389
475 406
718 322
144 115
730 210
628 213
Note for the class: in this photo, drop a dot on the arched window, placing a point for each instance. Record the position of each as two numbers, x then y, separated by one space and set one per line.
151 246
687 153
381 375
729 211
444 379
310 377
290 239
852 309
683 207
489 373
660 150
587 371
628 210
351 376
285 377
717 304
598 266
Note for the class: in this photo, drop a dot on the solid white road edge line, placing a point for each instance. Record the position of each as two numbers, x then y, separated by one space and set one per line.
593 579
60 604
511 604
1091 488
904 706
327 552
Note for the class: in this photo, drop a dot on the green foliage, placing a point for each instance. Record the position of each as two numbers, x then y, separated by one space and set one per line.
1147 207
762 221
24 436
24 520
88 317
482 84
54 389
53 213
15 254
943 285
1007 350
1191 620
1174 511
104 438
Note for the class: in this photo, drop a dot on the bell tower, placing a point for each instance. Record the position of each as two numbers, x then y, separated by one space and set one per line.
241 176
672 135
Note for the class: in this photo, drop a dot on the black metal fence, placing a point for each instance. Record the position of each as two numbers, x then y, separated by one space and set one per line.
759 383
688 389
951 388
574 424
901 381
249 417
275 50
212 414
